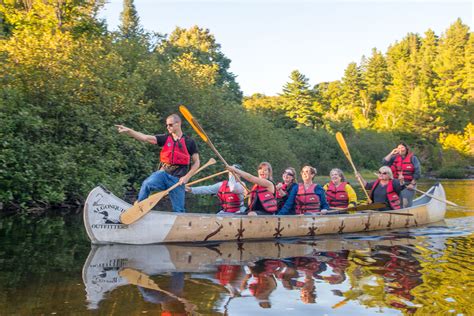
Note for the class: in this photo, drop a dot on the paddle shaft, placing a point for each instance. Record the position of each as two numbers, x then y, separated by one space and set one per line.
200 131
437 198
208 177
342 143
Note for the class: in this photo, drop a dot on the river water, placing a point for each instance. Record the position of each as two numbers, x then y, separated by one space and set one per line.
48 267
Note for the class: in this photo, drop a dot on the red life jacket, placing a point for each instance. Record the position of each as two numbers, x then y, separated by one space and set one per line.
227 273
337 197
230 201
175 152
403 165
267 199
307 200
392 196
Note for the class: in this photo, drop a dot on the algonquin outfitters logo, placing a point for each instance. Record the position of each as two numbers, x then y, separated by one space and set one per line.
109 214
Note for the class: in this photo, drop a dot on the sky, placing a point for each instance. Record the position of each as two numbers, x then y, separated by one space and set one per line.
266 40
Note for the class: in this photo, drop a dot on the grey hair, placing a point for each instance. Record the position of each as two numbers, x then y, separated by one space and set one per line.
387 170
339 172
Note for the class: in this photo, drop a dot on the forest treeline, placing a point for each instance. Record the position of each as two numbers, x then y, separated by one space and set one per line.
66 80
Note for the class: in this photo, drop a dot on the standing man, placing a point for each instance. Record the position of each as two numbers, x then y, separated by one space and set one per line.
179 159
406 168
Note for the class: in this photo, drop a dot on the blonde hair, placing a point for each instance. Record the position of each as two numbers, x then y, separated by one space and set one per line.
270 170
387 170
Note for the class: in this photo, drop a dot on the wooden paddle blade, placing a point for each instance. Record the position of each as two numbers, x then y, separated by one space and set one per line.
194 124
342 143
138 278
140 209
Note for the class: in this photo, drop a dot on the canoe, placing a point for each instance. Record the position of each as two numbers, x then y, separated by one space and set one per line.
102 211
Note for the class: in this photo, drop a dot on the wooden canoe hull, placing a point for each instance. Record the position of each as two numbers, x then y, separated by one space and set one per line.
102 212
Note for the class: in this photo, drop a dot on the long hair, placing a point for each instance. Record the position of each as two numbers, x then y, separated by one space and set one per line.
270 170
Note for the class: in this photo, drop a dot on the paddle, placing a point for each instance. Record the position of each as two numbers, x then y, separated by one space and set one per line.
366 208
139 209
345 150
439 199
200 131
207 178
136 277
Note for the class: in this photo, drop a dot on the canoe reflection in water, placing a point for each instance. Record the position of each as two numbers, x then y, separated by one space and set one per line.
202 279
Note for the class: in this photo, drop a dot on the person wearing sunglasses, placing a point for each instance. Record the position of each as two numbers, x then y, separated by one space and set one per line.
179 159
339 193
229 192
284 188
385 189
306 198
404 165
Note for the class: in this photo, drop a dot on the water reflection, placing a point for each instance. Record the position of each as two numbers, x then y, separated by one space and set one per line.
349 272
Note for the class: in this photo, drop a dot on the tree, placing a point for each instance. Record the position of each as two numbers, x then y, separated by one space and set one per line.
130 22
202 45
450 67
299 102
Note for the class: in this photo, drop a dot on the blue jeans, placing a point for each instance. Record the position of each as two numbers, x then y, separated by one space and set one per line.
160 181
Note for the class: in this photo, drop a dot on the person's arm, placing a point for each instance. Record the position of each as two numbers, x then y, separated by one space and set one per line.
205 189
289 207
398 186
417 165
351 195
234 186
251 178
195 166
359 176
137 135
319 191
388 160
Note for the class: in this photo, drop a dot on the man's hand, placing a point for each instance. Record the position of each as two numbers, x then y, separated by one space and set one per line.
183 180
122 129
411 187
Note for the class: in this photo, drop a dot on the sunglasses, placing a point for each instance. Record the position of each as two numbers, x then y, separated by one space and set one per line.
383 172
170 125
289 173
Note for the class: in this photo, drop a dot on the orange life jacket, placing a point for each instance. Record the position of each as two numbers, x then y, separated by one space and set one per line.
307 200
267 199
337 197
175 152
392 196
230 201
404 166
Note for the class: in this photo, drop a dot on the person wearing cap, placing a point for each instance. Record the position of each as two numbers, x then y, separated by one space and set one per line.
284 188
306 198
230 194
405 166
339 192
179 160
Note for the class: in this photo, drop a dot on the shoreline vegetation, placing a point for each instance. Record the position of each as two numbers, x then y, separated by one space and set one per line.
66 81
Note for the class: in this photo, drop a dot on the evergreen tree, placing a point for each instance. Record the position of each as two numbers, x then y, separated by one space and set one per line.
451 84
130 22
299 102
